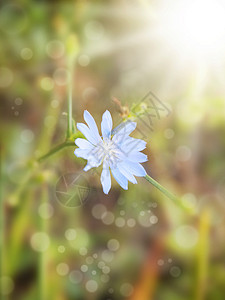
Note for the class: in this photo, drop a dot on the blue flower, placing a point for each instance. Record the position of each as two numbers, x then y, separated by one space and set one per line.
117 151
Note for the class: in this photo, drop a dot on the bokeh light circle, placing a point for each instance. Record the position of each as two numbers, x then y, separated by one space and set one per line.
70 234
175 271
40 241
107 255
183 153
169 133
61 249
131 222
189 200
113 245
108 218
81 241
106 270
84 268
153 219
91 286
105 278
45 211
101 264
186 236
18 101
26 53
83 60
62 76
27 136
160 262
75 277
47 83
55 103
83 251
120 222
62 269
126 289
144 219
98 210
89 260
16 171
55 49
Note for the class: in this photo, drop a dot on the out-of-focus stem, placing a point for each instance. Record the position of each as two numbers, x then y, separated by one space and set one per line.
72 49
2 223
202 255
20 189
56 149
42 262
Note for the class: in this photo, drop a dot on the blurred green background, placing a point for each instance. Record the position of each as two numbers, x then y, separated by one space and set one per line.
62 243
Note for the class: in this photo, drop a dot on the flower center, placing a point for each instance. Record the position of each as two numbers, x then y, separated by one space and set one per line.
110 152
108 146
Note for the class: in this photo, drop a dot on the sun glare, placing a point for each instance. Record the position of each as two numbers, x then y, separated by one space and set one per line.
180 41
195 28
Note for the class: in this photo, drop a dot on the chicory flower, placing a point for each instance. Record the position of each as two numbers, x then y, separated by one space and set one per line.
118 153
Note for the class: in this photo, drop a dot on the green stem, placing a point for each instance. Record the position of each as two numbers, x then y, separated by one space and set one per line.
70 63
165 191
56 149
69 109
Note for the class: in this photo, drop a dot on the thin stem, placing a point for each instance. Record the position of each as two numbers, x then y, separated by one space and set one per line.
165 191
55 150
70 63
161 188
69 108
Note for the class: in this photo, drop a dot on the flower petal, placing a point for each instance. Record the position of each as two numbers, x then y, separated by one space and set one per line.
125 130
106 125
84 153
120 178
137 157
106 178
131 144
134 168
87 133
127 174
87 167
92 125
92 163
83 144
